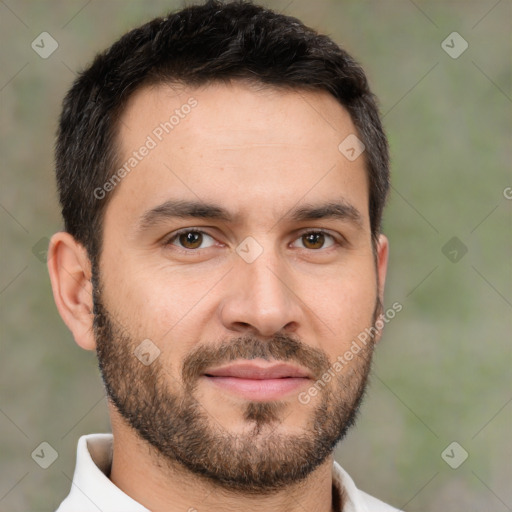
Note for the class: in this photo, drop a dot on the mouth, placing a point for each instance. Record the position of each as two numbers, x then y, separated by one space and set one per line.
259 381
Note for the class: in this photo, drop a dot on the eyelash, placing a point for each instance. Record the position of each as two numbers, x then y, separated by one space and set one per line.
169 241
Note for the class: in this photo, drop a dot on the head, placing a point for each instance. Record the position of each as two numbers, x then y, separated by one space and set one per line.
213 216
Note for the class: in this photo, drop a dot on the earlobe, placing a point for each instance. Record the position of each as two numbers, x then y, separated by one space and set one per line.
70 274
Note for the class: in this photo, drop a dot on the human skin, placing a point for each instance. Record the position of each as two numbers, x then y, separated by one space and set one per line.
259 154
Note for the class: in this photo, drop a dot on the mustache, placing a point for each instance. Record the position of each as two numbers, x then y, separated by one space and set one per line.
280 348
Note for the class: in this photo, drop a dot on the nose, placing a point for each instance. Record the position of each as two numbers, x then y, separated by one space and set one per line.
260 298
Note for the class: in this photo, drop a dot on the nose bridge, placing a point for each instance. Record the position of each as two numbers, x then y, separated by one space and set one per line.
265 278
261 295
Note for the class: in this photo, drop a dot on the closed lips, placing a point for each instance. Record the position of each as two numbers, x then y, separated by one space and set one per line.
255 372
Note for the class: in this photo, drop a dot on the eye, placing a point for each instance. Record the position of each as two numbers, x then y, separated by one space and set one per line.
316 239
189 239
193 239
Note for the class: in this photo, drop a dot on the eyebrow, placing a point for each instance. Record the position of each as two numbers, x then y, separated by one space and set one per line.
197 209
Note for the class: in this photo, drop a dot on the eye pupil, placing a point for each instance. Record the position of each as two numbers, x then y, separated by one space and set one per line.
316 239
193 238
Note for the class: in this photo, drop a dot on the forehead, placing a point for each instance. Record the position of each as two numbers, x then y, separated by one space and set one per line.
256 112
234 143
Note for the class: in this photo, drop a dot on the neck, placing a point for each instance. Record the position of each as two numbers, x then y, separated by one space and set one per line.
163 486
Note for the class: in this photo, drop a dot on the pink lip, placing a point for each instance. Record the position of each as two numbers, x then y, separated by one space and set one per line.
258 381
258 371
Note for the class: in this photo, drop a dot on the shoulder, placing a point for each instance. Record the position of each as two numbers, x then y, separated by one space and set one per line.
353 498
375 505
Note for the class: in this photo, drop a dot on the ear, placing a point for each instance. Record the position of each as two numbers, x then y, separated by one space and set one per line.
70 274
382 267
382 263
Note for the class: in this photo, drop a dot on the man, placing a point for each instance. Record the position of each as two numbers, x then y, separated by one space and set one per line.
222 174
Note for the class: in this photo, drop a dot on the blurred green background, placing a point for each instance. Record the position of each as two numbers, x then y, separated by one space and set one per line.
442 371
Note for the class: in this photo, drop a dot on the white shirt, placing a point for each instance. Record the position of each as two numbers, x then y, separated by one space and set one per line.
92 490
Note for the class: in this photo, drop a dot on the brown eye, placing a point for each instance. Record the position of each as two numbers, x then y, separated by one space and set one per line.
316 240
313 240
191 239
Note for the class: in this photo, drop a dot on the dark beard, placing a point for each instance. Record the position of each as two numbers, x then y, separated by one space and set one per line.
163 411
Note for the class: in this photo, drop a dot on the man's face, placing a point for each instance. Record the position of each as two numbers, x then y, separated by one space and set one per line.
254 288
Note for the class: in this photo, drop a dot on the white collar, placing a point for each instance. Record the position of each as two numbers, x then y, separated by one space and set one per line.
93 491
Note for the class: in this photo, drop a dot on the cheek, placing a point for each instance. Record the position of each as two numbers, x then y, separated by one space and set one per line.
146 307
346 307
168 306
